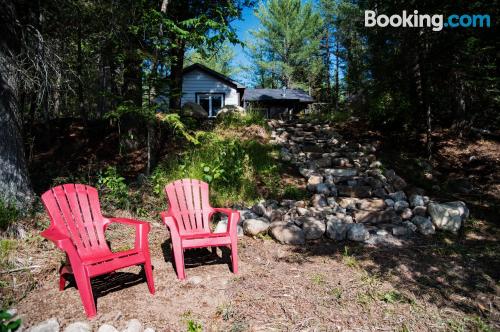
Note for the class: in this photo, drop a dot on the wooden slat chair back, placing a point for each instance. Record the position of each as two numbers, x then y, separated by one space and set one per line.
189 219
190 205
77 227
75 211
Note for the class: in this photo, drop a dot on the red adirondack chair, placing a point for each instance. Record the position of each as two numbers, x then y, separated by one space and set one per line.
77 227
189 219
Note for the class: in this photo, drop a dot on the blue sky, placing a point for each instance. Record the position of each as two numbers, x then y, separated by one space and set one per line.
243 27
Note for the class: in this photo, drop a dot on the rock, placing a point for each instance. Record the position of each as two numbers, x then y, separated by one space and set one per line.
221 226
259 209
313 228
424 225
419 211
230 110
336 229
371 204
306 172
107 328
323 162
322 189
357 232
400 206
406 214
383 239
398 183
375 217
78 327
194 110
375 164
302 211
288 203
253 227
319 200
313 182
348 202
410 225
398 196
287 233
285 155
50 325
448 216
277 214
401 231
331 202
133 325
247 214
416 200
342 162
341 172
354 191
194 280
389 202
149 330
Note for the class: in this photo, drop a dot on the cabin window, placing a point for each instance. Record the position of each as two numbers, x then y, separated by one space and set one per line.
211 102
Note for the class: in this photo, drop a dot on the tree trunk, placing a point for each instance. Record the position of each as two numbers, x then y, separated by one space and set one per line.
337 80
177 56
81 108
15 185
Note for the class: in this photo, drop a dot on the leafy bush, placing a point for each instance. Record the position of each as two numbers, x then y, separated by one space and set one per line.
114 187
232 167
7 322
251 117
8 214
293 192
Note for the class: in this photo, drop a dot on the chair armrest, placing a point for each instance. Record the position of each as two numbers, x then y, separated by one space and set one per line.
142 229
61 240
233 218
170 221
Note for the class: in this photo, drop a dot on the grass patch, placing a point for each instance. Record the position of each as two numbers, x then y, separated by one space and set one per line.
233 167
318 279
348 259
236 120
468 324
6 246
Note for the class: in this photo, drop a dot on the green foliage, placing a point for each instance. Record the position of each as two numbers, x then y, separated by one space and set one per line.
348 259
193 326
8 323
114 187
236 120
285 47
8 214
233 167
293 192
221 59
6 246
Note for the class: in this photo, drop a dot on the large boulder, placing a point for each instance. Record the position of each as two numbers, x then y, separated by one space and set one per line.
230 110
336 229
194 110
448 216
253 227
287 233
313 228
357 232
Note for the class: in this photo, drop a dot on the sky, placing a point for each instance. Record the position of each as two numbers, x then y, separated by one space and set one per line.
243 26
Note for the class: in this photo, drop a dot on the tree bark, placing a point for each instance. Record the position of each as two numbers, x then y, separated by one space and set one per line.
177 56
15 185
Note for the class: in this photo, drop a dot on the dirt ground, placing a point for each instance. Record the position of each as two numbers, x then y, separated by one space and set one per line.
435 284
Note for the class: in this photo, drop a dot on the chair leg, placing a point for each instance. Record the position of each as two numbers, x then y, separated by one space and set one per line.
148 270
179 261
85 289
214 250
234 256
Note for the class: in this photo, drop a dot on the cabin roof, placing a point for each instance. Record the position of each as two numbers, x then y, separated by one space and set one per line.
224 78
277 95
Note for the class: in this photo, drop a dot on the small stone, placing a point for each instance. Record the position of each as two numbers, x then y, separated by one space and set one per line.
336 229
314 180
398 183
302 211
375 217
448 216
287 233
355 191
398 196
277 214
149 330
221 226
253 227
322 188
376 164
133 325
323 162
389 202
401 231
419 211
371 204
259 209
341 172
194 280
50 325
424 225
406 214
107 328
416 200
410 225
300 204
348 202
357 232
400 206
78 327
319 200
313 228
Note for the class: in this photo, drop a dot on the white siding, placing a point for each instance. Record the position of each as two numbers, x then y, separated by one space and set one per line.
199 82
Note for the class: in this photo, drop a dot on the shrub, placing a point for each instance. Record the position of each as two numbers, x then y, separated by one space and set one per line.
8 214
250 117
8 323
114 187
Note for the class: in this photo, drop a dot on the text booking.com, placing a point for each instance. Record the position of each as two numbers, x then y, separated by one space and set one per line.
415 20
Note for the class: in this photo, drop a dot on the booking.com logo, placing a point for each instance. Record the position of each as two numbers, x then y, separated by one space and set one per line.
416 20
